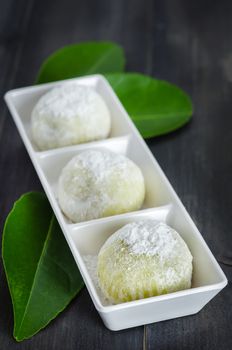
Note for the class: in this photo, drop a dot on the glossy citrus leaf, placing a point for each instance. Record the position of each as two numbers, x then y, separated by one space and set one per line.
155 106
82 59
41 272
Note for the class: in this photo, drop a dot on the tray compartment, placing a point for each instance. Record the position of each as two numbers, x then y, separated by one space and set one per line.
23 102
52 163
208 279
88 239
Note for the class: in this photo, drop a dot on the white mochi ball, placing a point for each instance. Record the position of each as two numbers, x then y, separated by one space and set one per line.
69 114
99 183
143 259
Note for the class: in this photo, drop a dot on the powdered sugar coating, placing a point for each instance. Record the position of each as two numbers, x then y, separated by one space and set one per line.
142 259
98 183
149 237
69 114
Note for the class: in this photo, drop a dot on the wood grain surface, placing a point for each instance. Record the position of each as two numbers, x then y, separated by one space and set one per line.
188 43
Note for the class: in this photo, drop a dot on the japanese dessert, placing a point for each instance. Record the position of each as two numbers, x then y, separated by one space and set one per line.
69 114
143 259
98 183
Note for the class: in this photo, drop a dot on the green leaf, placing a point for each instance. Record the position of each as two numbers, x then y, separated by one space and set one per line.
41 273
155 106
82 59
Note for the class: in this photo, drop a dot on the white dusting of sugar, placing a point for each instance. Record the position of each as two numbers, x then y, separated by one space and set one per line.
148 237
69 99
101 162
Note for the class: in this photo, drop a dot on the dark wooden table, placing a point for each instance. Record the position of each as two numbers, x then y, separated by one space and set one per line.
186 42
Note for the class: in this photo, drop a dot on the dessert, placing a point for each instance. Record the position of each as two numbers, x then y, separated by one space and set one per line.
98 183
69 114
143 259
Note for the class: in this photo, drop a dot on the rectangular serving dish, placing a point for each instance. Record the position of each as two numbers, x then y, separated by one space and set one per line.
161 203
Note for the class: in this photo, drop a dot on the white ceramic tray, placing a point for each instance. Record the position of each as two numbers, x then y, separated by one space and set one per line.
161 203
